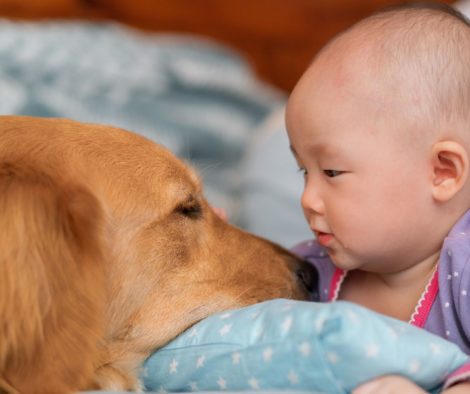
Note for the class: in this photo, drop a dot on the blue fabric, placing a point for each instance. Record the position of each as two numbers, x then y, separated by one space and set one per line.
198 98
272 186
295 345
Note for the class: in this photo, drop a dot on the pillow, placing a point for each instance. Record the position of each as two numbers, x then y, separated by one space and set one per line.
298 345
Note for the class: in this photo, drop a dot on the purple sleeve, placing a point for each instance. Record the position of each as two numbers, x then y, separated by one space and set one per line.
450 313
461 298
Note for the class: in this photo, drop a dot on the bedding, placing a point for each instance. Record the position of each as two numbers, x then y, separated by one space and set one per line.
301 346
197 97
272 185
194 96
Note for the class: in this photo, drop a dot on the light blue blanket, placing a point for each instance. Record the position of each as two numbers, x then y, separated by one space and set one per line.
295 345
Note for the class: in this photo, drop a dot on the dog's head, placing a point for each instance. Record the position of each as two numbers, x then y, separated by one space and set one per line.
167 259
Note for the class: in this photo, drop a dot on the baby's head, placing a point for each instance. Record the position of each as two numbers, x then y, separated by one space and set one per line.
380 123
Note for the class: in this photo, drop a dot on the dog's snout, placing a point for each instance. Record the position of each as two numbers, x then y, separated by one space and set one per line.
308 276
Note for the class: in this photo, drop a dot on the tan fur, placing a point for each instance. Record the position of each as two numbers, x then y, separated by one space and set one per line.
108 250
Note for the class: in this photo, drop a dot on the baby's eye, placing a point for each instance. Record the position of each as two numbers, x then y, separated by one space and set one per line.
332 173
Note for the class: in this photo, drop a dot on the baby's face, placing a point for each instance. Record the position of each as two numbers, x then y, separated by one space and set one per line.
366 186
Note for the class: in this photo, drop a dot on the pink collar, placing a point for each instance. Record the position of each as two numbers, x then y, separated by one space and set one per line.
422 309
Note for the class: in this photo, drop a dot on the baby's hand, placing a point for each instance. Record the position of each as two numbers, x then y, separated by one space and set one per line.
390 384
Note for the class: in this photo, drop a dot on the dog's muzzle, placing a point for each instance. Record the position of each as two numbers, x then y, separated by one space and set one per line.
308 276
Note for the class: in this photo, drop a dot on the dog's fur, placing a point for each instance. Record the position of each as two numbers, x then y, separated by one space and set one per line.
108 250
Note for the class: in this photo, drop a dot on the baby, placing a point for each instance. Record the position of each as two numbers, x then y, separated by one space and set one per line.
380 127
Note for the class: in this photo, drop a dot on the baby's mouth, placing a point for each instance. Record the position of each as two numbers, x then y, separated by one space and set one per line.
324 239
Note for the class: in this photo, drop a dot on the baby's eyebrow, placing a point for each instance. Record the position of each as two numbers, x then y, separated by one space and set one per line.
319 148
326 150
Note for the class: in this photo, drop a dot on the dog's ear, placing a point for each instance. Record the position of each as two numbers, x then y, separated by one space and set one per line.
52 293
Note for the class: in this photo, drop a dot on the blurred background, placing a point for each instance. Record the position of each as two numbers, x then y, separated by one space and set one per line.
206 78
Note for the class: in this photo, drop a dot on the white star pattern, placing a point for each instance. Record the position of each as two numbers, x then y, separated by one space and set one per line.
145 372
435 349
286 324
293 377
449 277
319 324
401 329
352 317
449 253
393 333
464 292
254 315
304 348
267 354
193 333
456 274
448 333
200 361
225 330
332 357
372 350
173 366
222 383
415 366
258 332
236 358
254 384
225 316
322 254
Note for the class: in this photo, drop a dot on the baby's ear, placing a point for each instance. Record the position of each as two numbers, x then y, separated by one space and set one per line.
450 169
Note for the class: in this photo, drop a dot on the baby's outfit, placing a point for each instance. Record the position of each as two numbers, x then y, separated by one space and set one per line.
444 306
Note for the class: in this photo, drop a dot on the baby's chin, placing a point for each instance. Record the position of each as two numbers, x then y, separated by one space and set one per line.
344 260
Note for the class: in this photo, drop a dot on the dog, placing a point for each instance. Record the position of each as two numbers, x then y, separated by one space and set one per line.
108 250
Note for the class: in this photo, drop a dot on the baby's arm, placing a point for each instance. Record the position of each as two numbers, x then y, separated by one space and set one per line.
462 388
392 384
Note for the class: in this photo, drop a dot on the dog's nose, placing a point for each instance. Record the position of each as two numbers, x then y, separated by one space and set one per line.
308 276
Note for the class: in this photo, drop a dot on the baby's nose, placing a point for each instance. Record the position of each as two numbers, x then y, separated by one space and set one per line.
311 201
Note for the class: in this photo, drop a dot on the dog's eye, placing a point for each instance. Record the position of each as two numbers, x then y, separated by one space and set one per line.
192 211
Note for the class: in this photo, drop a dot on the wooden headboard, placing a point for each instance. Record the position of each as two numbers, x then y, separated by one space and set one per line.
279 37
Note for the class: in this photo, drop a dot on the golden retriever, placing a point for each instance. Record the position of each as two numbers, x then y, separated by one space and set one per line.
108 250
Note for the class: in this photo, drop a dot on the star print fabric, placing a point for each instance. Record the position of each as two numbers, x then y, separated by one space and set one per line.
299 346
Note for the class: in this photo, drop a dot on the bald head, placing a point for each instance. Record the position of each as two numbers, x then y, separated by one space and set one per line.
421 54
379 125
